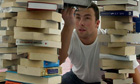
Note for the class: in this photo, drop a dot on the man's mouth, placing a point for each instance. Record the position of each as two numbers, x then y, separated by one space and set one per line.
82 30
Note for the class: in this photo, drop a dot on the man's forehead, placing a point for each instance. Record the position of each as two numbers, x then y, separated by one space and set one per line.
84 10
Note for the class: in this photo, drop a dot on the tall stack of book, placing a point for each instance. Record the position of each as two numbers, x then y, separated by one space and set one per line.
116 56
38 37
8 49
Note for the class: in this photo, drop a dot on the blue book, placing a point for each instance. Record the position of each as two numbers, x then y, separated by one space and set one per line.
119 13
48 64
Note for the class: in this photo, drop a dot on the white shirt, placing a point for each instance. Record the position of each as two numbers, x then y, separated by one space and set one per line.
85 59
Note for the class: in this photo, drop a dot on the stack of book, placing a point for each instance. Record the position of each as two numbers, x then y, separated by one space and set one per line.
8 49
116 56
37 37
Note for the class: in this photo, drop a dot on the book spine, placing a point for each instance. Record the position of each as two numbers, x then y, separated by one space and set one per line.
116 13
50 64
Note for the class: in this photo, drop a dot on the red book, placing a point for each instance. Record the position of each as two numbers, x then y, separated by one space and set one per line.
11 82
33 5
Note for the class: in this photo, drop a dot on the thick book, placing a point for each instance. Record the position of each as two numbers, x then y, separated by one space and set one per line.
114 7
9 4
10 56
118 57
116 18
8 50
36 23
39 63
117 44
40 30
121 71
34 49
6 32
117 31
119 13
13 76
8 23
7 39
38 43
123 81
7 63
117 25
7 15
60 2
43 57
36 71
129 2
117 38
115 64
110 75
7 45
11 82
13 9
124 51
33 5
40 15
36 36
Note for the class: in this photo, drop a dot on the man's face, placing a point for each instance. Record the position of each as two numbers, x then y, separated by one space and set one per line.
86 24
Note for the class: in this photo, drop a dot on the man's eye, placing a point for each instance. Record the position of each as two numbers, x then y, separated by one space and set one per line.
77 17
87 17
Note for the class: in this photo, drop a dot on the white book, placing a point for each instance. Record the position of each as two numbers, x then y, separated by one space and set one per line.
13 9
118 57
130 2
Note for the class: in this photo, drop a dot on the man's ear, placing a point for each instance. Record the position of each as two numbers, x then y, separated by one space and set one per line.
97 23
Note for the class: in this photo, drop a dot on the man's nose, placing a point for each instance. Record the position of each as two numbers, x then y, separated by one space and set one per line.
81 22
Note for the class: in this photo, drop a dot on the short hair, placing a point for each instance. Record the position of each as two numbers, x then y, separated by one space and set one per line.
94 7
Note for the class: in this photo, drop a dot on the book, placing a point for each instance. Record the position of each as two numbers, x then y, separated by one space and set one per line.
7 63
6 32
117 25
9 0
52 44
9 4
36 23
13 9
124 51
36 36
39 63
129 2
10 56
123 81
119 13
36 71
7 45
6 28
8 23
43 56
116 18
7 39
110 75
33 5
118 57
116 38
117 44
40 15
126 38
7 15
42 30
60 2
13 76
8 50
115 64
115 7
117 31
120 71
11 82
33 49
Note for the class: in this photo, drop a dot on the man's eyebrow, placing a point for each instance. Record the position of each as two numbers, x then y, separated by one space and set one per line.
77 14
87 15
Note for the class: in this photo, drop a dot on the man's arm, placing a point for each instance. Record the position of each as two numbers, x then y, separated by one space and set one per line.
68 16
136 76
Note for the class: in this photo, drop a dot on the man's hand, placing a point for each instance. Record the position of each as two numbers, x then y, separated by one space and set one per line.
68 16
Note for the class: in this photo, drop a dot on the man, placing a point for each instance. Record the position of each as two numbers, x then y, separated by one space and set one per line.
81 46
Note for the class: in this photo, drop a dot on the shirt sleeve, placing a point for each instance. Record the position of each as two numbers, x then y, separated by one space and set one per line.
135 64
